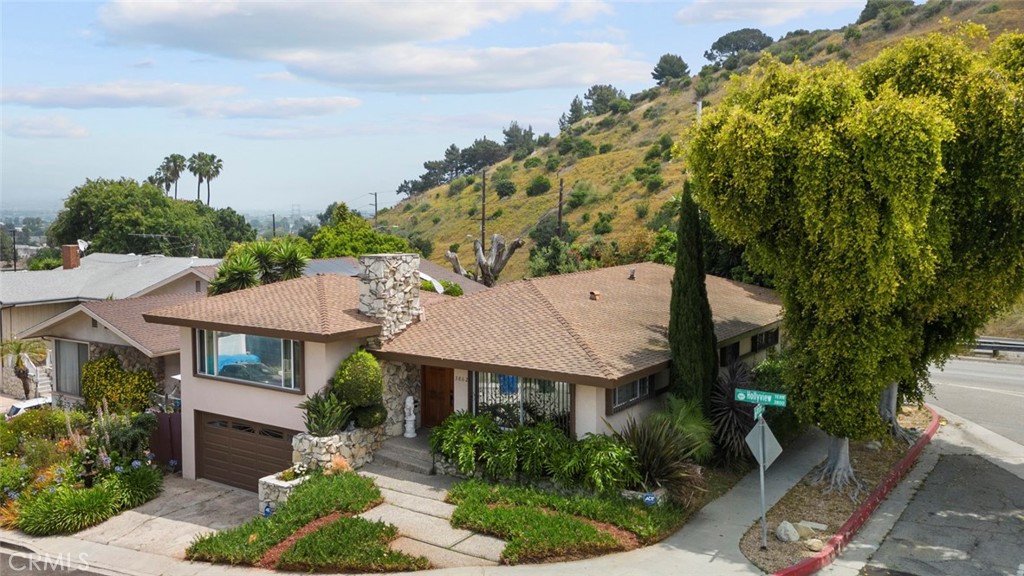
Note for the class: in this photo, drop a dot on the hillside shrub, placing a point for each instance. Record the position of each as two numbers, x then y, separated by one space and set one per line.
654 183
583 192
642 209
544 140
359 381
604 223
852 34
565 145
584 148
640 173
532 162
457 185
505 188
990 9
496 214
539 185
435 220
605 148
124 391
552 163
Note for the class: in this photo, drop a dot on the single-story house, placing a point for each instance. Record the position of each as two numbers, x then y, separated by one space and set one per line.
576 349
97 328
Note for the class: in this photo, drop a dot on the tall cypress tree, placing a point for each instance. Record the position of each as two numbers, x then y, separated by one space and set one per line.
691 330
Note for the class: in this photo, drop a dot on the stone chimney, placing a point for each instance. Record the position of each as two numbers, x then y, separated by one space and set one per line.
390 291
69 256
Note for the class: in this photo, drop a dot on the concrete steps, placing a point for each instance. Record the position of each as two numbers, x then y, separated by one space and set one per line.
44 386
412 454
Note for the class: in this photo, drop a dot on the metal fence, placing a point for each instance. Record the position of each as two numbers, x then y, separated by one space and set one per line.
514 401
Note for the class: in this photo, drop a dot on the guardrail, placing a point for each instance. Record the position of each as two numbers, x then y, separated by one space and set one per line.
999 345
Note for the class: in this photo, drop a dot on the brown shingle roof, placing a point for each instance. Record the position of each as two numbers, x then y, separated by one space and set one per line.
550 327
316 308
124 317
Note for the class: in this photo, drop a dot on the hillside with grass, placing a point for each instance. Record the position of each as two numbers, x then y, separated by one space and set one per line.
620 170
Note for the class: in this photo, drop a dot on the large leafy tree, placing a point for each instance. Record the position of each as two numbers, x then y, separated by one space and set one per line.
670 66
691 329
887 205
736 42
349 234
599 98
123 216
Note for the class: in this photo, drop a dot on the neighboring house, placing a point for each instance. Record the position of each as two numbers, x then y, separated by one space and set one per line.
578 349
30 297
94 329
349 266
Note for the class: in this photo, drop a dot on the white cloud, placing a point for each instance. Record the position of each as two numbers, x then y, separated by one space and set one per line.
763 12
119 94
144 64
409 68
43 127
291 133
382 46
276 108
585 10
282 76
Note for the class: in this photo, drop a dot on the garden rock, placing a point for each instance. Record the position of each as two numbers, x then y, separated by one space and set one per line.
817 526
804 531
814 545
786 532
873 445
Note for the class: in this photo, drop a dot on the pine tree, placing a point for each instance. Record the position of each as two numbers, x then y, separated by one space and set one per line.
691 330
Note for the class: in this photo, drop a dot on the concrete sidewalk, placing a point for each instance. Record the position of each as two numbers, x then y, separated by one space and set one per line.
707 544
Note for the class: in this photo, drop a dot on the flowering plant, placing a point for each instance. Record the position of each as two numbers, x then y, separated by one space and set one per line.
297 471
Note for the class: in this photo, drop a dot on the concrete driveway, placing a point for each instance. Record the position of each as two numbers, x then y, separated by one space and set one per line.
167 524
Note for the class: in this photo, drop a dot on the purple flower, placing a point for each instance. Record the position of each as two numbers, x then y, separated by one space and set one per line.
105 460
173 464
41 478
118 469
24 466
150 456
136 464
52 489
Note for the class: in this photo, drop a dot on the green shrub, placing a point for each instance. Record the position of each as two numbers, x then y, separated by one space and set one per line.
689 420
552 163
457 185
565 145
8 438
137 484
640 173
40 453
358 381
990 9
768 376
123 435
599 463
852 34
15 476
471 212
732 419
605 148
66 510
653 153
435 220
532 162
46 422
370 416
663 456
538 186
349 545
583 192
462 439
584 148
654 183
542 447
124 391
642 209
324 414
604 223
505 188
454 247
496 214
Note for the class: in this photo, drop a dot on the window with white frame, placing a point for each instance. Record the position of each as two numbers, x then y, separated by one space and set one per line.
68 359
629 394
249 358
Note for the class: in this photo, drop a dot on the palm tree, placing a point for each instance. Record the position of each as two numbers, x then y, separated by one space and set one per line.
214 166
34 350
197 166
238 273
172 168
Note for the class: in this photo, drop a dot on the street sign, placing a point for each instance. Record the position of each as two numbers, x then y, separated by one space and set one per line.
758 411
759 397
772 449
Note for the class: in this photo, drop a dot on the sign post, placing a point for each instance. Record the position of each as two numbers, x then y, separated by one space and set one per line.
762 442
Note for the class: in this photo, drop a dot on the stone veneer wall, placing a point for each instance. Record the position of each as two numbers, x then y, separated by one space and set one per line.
400 380
390 291
356 446
273 491
131 360
10 385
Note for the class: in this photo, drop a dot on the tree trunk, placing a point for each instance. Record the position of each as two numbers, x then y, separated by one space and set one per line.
22 373
836 471
199 190
888 410
207 191
175 188
489 267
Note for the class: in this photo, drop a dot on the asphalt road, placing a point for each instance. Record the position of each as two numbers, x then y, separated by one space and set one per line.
988 393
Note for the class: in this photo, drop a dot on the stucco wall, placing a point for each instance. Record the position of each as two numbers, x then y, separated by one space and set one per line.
590 407
260 404
461 390
181 285
15 319
79 327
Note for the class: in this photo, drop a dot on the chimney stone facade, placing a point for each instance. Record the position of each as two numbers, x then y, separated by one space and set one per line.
390 291
69 256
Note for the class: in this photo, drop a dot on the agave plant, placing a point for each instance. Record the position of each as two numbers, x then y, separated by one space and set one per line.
324 414
664 457
732 419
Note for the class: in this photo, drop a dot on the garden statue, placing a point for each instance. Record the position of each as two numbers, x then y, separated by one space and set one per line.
410 417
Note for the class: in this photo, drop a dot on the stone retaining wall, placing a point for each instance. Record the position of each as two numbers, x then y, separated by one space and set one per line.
273 491
357 447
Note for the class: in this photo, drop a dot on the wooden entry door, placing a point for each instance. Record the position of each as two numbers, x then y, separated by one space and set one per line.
438 395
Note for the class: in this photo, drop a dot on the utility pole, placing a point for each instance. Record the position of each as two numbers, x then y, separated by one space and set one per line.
374 208
273 225
483 211
14 247
558 231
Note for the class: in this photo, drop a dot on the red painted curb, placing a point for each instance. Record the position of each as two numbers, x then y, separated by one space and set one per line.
837 543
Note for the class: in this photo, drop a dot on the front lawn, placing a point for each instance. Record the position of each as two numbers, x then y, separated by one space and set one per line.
543 526
346 544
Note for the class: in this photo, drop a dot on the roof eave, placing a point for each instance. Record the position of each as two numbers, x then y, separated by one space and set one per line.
269 332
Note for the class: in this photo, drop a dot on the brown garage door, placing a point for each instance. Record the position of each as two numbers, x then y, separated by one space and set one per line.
239 452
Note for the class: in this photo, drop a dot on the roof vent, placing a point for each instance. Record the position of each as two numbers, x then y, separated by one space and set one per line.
595 295
632 273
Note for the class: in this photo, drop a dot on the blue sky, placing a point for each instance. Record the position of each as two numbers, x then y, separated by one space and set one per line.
311 102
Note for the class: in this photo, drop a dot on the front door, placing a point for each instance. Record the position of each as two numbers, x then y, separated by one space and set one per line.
438 395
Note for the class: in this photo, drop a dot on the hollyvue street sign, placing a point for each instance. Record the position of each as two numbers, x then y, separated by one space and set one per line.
759 397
